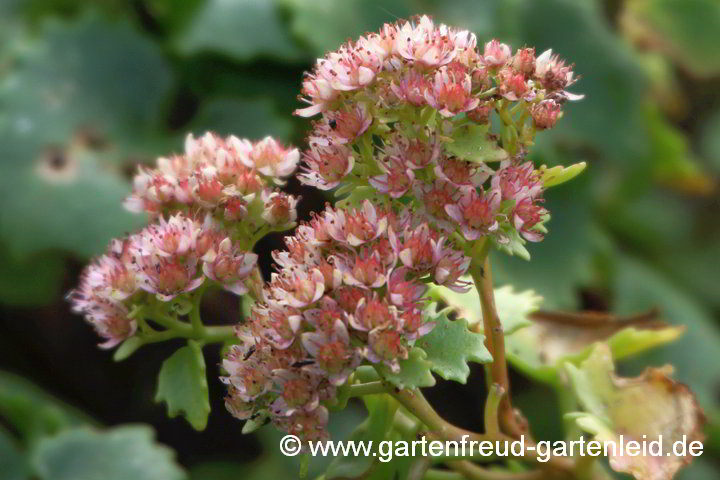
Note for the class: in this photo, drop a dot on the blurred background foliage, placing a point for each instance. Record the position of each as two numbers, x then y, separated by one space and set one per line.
89 89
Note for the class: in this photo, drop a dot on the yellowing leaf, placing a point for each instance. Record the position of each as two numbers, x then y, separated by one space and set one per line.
557 337
651 408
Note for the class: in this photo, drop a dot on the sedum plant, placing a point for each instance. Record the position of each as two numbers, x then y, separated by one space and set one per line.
422 136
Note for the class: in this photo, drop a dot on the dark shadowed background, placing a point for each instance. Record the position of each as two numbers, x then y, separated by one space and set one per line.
90 89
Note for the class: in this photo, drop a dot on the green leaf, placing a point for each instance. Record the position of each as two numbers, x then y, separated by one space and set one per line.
474 143
414 372
358 195
249 118
451 345
13 462
89 79
513 307
559 174
685 30
182 384
30 281
241 29
381 411
650 407
92 75
32 412
340 20
121 453
609 120
41 200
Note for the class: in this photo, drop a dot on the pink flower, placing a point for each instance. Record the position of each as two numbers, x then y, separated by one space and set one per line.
515 182
357 226
271 158
108 317
364 269
346 126
449 266
524 61
496 54
309 426
414 153
332 352
414 247
555 76
326 166
545 114
386 345
298 390
404 292
176 236
230 267
411 88
347 68
461 173
434 198
414 325
279 208
526 215
475 213
425 44
512 85
372 313
249 367
451 92
397 181
297 288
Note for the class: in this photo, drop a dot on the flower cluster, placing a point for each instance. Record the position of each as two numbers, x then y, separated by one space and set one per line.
231 178
396 102
349 290
208 207
168 258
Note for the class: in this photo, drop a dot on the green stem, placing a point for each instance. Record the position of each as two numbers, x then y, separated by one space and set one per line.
219 334
369 388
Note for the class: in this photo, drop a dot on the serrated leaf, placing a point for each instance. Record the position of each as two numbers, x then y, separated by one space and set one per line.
121 453
513 307
474 143
651 407
182 384
559 174
241 29
451 345
375 428
414 371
